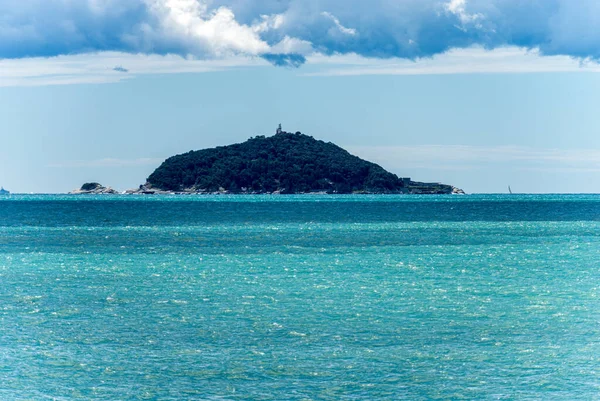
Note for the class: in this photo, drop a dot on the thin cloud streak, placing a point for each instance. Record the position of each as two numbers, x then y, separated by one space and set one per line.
107 162
99 67
473 60
460 157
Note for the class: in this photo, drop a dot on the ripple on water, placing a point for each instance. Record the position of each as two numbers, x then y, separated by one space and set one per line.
322 298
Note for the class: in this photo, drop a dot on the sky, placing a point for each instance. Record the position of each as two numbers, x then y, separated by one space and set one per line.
480 94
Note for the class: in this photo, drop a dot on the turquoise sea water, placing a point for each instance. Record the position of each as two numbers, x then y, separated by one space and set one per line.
300 298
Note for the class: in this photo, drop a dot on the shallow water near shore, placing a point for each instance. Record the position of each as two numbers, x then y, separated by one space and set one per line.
300 297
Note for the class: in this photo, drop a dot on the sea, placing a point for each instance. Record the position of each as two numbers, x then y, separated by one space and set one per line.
308 297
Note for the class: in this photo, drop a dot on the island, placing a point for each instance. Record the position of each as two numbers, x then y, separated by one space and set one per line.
93 188
285 163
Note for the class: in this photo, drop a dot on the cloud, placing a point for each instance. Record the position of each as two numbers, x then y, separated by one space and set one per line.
107 162
422 28
458 8
189 28
338 25
219 29
97 68
285 60
456 61
462 157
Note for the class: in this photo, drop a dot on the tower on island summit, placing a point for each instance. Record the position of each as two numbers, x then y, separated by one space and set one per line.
279 130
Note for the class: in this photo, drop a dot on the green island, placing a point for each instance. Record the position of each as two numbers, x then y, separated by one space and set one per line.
285 163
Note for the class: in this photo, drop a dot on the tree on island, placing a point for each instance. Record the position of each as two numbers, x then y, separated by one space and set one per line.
90 186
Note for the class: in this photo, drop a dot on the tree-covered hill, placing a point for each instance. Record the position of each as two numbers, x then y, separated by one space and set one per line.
286 162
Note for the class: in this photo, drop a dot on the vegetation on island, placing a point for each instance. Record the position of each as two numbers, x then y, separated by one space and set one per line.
93 188
90 186
284 163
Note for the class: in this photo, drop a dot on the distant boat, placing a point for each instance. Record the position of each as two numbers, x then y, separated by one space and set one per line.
4 191
509 190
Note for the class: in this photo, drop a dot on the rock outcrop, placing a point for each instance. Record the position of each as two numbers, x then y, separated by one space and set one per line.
93 188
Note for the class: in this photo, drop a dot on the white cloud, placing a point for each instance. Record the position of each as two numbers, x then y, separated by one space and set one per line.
462 157
459 8
293 45
100 67
192 22
221 28
107 162
268 23
339 26
456 61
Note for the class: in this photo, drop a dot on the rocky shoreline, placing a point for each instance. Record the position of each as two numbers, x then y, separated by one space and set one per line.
93 188
421 189
416 189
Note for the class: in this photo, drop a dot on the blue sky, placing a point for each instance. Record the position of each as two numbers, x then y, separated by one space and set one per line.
479 94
